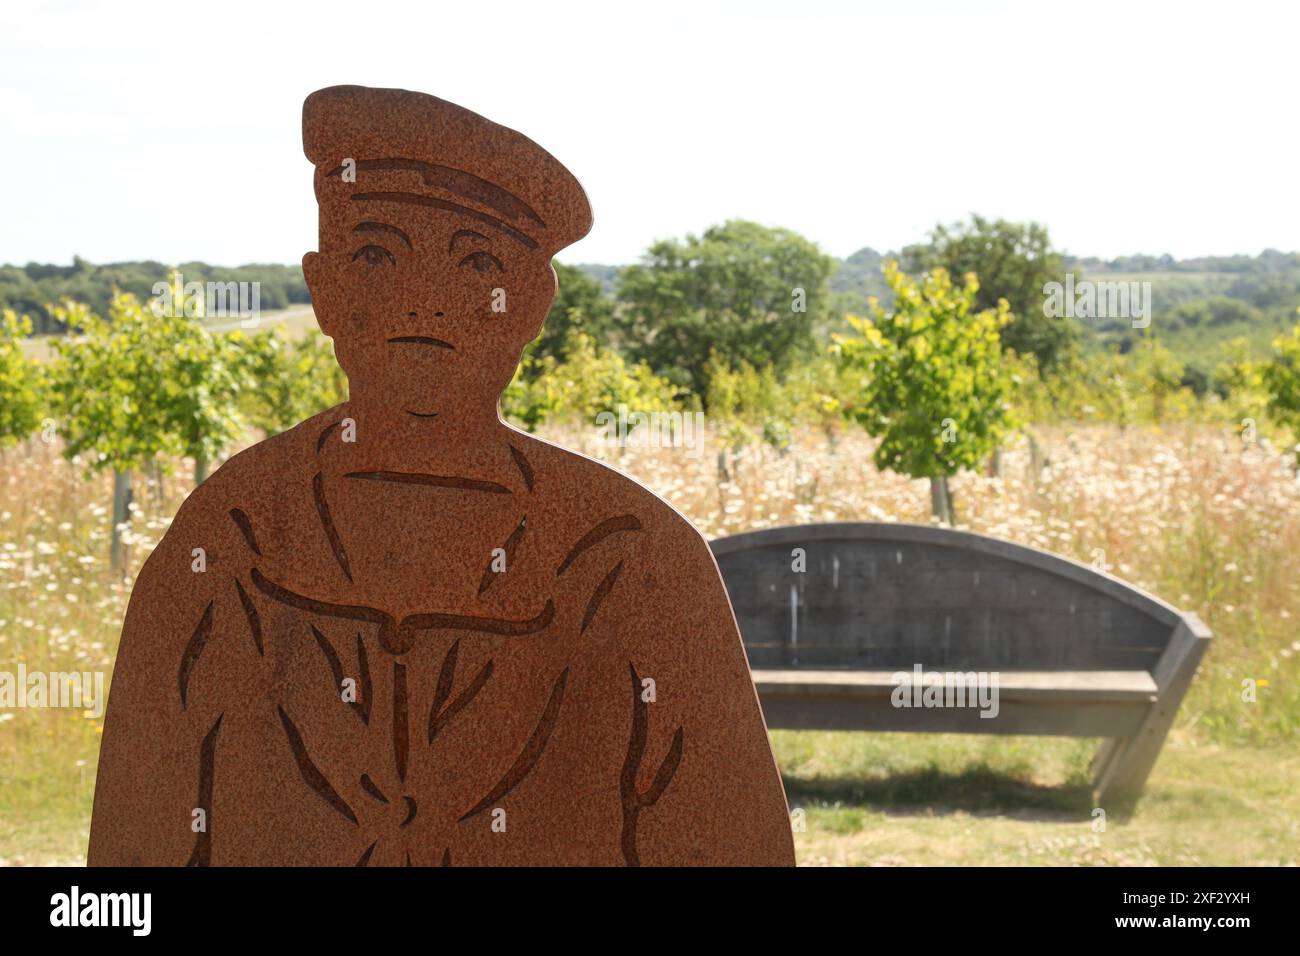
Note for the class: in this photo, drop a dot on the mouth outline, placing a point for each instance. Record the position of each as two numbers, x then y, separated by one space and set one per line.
422 340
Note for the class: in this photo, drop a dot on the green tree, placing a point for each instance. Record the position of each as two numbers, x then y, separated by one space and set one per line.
1281 378
747 292
1158 374
1013 261
745 405
934 388
1238 382
288 381
205 388
138 386
22 384
580 306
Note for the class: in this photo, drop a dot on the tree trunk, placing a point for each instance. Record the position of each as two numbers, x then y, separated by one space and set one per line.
1035 457
121 513
159 492
941 499
995 463
200 470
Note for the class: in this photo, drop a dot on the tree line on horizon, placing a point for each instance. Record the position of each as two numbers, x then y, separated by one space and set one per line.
1201 303
37 289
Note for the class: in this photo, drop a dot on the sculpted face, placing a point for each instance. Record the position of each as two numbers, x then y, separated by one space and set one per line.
437 228
428 299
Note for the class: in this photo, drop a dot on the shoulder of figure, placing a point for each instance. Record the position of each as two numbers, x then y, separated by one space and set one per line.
602 489
609 501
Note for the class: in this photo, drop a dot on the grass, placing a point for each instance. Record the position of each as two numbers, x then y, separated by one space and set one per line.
906 800
917 800
1187 512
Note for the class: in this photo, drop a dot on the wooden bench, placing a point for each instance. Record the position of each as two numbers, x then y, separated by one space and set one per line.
1076 652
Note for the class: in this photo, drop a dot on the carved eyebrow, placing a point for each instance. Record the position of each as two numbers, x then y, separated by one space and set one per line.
371 226
463 184
465 233
419 200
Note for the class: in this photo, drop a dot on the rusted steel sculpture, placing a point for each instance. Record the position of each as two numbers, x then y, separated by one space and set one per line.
404 632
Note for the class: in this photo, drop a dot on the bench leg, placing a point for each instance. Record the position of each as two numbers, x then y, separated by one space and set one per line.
1114 775
1123 765
1104 755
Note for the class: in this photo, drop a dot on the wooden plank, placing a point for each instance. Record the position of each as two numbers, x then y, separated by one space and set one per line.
1023 685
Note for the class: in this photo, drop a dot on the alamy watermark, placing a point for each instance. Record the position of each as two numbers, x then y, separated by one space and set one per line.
926 689
1098 300
212 299
74 908
76 690
675 429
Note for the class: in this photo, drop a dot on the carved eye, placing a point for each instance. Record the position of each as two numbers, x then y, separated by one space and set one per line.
482 262
374 255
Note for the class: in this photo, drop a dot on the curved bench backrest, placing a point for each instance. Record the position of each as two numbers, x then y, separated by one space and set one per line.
889 596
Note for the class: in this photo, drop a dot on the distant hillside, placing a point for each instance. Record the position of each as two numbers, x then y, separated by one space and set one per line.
859 278
31 288
607 276
1198 304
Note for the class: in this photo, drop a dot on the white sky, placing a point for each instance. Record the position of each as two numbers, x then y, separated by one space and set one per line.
171 131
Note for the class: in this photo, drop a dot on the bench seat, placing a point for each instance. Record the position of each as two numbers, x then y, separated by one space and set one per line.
1050 703
1135 686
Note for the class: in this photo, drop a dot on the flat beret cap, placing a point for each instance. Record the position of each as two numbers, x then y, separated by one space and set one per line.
444 149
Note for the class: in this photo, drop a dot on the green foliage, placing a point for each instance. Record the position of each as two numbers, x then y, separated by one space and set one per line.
589 381
1013 261
731 290
1037 397
1237 391
288 381
138 385
1216 310
580 306
1237 372
22 384
202 392
857 279
1281 378
1147 384
934 387
1158 374
748 404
